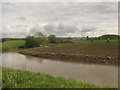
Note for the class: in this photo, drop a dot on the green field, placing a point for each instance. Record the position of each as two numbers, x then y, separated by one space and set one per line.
94 41
26 79
12 45
15 44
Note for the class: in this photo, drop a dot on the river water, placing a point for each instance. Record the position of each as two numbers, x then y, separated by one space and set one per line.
98 74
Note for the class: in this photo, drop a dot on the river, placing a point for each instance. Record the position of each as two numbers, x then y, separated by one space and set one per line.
98 74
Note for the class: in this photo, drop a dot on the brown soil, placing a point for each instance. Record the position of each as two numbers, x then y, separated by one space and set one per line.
85 52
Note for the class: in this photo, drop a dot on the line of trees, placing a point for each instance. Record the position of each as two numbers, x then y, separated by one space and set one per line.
39 39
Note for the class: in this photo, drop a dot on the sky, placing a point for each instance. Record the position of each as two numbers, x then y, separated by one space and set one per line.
70 19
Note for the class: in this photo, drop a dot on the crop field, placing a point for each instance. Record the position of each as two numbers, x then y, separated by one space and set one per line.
102 51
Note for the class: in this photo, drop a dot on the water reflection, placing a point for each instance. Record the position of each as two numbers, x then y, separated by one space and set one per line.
31 58
103 75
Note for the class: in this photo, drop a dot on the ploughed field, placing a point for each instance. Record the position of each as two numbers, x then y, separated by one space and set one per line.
85 52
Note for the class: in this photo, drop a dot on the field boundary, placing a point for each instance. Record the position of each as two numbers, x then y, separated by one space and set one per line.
72 57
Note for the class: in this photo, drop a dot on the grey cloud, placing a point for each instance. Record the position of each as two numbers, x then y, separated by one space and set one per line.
86 29
5 31
18 26
64 12
104 8
67 28
61 18
50 28
22 18
34 29
21 26
60 29
14 32
37 28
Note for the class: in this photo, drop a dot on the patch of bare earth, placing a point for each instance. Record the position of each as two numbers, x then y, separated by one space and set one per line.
85 52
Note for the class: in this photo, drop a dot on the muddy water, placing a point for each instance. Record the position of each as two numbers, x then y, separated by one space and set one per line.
98 74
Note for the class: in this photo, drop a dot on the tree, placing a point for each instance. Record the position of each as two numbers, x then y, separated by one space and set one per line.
31 42
42 39
35 41
87 37
110 36
69 38
52 38
108 39
91 40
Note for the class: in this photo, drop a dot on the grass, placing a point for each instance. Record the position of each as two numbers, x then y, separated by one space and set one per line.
26 79
94 41
12 45
15 44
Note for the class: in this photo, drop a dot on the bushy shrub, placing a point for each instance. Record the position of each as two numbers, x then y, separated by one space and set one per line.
41 38
52 39
31 42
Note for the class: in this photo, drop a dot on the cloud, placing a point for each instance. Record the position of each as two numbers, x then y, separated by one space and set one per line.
14 31
86 29
57 29
50 28
65 29
22 18
61 1
37 28
61 18
18 26
60 29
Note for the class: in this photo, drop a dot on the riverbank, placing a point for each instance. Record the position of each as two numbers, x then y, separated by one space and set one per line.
83 52
13 45
26 79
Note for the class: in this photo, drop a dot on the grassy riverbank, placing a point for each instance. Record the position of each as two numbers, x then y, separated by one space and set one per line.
12 45
26 79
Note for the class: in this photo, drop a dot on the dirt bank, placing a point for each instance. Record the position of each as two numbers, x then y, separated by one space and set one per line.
90 52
